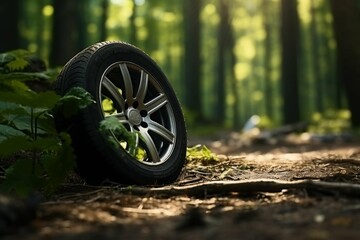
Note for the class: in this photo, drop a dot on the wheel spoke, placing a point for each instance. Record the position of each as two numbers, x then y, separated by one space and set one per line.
127 82
115 95
151 149
144 79
156 103
161 131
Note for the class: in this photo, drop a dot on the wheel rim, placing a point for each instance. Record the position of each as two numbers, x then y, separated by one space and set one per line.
136 99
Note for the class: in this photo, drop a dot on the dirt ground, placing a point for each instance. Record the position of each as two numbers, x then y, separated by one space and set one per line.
85 212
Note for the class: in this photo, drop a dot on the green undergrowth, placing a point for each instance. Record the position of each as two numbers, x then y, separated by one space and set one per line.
33 155
202 154
331 121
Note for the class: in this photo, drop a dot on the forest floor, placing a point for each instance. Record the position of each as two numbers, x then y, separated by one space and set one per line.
86 212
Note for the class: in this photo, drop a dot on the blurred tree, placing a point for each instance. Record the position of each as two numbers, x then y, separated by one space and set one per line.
40 41
82 23
192 64
336 94
268 51
152 26
316 57
222 60
133 37
347 33
104 18
233 81
65 32
289 58
9 15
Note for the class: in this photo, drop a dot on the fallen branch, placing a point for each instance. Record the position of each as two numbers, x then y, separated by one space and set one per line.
247 186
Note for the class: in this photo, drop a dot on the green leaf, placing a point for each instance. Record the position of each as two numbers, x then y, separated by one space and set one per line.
40 100
23 76
12 145
22 178
20 118
9 132
20 122
43 143
120 132
6 106
11 55
202 153
6 57
44 100
30 99
18 64
14 86
16 60
46 125
16 98
75 99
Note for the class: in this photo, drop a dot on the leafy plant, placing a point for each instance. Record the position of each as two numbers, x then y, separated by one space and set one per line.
201 153
75 99
120 132
29 129
19 66
42 158
21 60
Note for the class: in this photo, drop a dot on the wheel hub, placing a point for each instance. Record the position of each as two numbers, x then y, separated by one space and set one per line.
134 117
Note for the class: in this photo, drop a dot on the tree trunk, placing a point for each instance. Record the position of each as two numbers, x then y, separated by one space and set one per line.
9 15
82 23
192 63
222 47
267 60
64 35
347 33
103 19
289 57
133 30
40 41
316 59
233 83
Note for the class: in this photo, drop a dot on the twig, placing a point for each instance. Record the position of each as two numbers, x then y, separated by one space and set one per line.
247 186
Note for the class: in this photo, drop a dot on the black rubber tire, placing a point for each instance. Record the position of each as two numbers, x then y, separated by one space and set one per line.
97 159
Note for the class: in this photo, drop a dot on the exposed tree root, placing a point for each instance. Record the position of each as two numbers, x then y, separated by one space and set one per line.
248 186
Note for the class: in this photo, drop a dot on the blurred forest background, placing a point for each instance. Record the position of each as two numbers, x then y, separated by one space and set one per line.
286 61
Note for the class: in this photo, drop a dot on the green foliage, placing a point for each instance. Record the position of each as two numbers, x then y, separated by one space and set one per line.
43 157
22 177
16 69
30 129
14 60
120 134
31 99
58 166
7 132
330 122
74 100
24 76
201 153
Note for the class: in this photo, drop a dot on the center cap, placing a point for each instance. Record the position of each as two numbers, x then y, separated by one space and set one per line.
134 117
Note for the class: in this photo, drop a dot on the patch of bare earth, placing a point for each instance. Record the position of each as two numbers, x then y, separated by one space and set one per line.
114 212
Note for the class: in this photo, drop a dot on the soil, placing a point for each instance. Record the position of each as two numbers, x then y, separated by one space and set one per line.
87 212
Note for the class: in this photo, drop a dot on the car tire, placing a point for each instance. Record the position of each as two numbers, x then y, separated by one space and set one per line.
129 86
